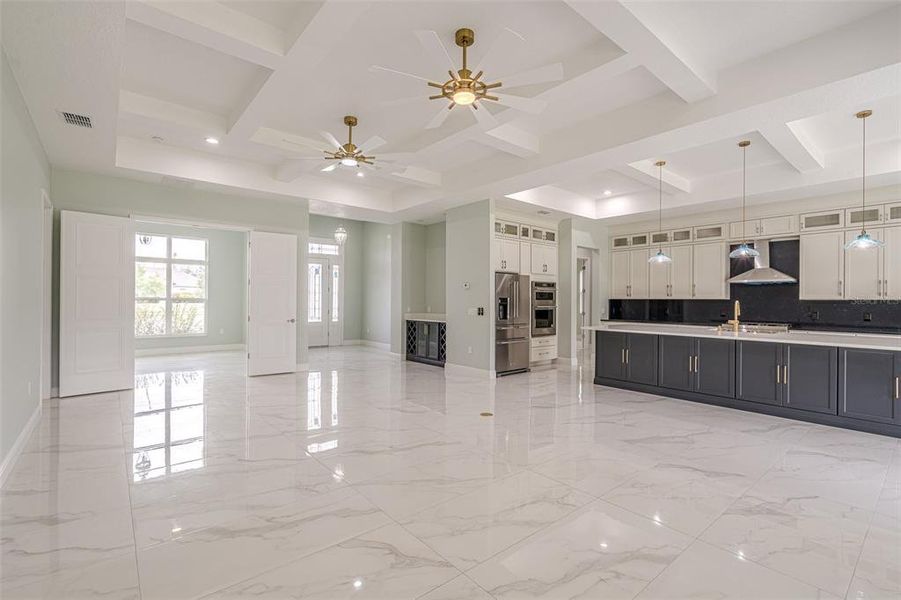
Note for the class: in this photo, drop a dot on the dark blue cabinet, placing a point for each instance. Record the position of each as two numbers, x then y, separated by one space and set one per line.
703 365
870 385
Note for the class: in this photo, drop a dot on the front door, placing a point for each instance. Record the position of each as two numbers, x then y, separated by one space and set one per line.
324 316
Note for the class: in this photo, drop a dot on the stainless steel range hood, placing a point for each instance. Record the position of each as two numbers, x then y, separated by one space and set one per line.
762 273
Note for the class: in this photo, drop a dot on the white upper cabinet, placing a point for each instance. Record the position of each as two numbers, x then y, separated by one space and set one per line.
681 236
856 217
891 271
749 232
619 243
707 233
831 219
710 270
822 266
639 239
893 213
619 275
506 229
544 259
506 254
638 273
773 226
681 272
525 259
660 277
863 269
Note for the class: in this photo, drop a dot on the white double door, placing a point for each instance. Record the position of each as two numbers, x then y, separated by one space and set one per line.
325 304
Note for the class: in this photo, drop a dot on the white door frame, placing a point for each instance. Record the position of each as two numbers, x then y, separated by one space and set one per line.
47 299
336 332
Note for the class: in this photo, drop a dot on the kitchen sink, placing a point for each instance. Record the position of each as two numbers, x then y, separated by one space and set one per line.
755 328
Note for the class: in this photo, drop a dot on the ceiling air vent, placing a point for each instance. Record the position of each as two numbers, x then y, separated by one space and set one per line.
76 120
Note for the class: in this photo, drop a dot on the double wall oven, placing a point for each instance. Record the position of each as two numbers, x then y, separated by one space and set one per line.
544 308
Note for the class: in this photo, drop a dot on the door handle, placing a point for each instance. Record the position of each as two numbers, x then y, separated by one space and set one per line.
292 320
878 287
840 288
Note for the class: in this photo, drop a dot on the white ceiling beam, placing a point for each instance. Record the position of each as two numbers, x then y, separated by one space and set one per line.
511 139
618 23
418 175
215 26
794 147
329 27
645 172
154 109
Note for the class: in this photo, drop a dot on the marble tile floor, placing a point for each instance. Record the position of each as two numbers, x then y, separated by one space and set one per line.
371 477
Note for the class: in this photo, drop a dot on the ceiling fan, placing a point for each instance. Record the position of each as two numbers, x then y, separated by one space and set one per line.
468 88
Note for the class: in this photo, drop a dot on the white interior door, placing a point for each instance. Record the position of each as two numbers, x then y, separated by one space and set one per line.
324 302
272 329
97 304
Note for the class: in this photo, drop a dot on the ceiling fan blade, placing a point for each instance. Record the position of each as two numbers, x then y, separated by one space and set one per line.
370 167
396 72
393 157
331 139
435 48
552 72
330 168
506 37
486 119
439 118
527 105
371 144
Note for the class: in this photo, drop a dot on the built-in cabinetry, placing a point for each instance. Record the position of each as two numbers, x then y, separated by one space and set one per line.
846 387
792 375
869 385
427 342
700 263
525 249
543 348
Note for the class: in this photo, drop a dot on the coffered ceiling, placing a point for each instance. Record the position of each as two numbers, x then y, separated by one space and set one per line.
681 81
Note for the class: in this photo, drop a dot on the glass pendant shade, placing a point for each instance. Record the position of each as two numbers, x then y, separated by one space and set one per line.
744 251
863 241
340 236
660 257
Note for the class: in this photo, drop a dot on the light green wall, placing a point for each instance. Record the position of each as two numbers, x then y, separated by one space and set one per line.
25 172
377 275
226 303
414 267
324 227
73 190
469 236
435 267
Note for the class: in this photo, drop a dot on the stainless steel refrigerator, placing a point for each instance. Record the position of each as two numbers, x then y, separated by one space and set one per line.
511 326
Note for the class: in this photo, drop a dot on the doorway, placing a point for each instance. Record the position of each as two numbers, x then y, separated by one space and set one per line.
325 289
583 290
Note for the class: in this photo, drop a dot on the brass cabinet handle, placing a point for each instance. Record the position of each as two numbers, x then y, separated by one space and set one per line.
689 364
785 374
897 388
696 363
622 355
627 356
778 374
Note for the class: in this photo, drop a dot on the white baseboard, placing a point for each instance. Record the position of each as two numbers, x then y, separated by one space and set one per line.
451 370
374 344
352 343
9 461
188 349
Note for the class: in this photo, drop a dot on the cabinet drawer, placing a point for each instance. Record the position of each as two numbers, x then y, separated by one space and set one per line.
544 341
546 353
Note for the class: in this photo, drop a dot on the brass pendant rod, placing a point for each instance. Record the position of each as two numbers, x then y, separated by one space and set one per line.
863 177
660 164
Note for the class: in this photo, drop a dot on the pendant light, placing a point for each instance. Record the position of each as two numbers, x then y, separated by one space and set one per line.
744 250
863 241
340 236
661 256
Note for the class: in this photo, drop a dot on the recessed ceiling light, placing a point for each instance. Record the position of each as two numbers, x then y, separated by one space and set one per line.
361 174
212 140
608 192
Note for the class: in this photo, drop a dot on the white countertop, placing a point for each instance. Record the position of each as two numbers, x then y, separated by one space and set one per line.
436 317
813 338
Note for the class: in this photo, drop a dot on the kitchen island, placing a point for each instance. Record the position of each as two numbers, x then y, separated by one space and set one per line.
850 380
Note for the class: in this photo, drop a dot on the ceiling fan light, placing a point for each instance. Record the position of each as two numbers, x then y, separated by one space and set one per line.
863 241
660 257
464 96
349 161
744 251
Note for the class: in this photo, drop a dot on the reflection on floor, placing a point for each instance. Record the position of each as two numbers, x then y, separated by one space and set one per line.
377 478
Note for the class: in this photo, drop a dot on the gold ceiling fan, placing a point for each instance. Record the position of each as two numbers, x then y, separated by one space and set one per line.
468 88
350 155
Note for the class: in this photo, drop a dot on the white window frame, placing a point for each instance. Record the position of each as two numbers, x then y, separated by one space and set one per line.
169 261
339 259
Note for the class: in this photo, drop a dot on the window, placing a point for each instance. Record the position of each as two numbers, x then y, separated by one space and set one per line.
321 248
314 289
170 285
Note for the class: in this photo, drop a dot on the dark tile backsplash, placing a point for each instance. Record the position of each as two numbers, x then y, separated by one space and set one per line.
769 304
